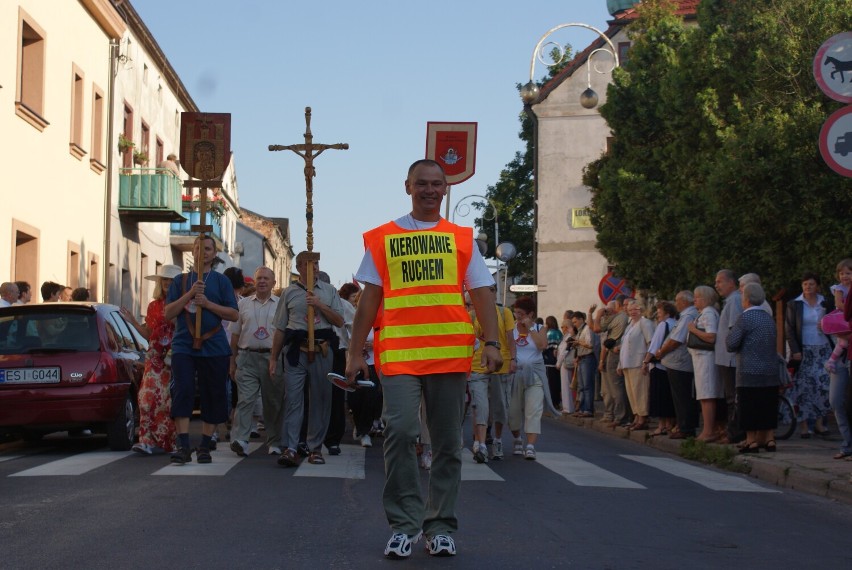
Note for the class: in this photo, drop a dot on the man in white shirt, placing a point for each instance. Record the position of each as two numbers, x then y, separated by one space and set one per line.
251 343
8 294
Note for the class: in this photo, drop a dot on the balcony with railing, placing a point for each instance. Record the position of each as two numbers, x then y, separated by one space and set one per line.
182 235
150 195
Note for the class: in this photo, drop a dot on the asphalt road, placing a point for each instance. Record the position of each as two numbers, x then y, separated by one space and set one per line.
589 502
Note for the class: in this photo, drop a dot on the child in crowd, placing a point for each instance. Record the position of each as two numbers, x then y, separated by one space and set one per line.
841 292
837 325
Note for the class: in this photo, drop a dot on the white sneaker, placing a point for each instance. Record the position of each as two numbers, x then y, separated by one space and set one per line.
518 446
142 449
497 450
399 545
441 545
273 450
366 441
239 447
479 454
530 453
426 460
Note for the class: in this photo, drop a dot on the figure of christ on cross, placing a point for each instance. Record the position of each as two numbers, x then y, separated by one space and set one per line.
309 151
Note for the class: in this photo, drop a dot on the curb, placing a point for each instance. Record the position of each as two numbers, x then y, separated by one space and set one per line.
776 470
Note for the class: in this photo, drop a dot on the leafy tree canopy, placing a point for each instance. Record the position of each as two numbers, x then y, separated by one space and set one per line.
715 161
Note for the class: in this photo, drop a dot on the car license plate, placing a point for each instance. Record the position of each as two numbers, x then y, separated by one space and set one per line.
46 375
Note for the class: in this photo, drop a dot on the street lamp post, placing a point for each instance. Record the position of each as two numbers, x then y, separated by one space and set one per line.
588 99
531 92
504 252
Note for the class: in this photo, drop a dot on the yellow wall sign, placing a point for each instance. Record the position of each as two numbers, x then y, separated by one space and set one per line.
421 259
581 218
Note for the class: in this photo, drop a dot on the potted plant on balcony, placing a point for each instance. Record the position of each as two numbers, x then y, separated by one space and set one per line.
140 157
189 202
218 206
124 143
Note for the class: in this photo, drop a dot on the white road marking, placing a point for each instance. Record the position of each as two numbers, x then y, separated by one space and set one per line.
583 473
702 476
223 461
10 457
350 464
74 465
473 471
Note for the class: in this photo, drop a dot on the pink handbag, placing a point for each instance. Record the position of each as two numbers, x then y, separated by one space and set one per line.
835 323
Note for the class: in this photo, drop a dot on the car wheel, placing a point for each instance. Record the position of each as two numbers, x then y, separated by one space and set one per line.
122 431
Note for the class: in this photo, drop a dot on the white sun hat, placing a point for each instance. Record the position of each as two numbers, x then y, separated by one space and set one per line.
165 272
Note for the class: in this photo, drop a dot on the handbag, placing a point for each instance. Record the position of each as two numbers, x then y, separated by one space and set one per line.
693 341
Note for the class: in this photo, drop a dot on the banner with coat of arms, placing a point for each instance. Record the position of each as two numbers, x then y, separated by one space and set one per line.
453 146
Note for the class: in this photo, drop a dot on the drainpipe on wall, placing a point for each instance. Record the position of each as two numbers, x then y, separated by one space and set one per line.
113 58
529 110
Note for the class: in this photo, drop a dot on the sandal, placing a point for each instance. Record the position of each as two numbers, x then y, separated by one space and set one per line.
752 447
658 432
316 458
843 455
770 446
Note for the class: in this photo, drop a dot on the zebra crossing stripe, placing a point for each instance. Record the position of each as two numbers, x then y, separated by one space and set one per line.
223 461
74 465
473 471
10 457
350 464
582 473
701 475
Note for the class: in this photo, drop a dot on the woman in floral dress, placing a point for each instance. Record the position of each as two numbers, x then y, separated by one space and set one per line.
156 428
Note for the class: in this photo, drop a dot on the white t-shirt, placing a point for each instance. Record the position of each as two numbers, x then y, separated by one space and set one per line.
477 274
526 351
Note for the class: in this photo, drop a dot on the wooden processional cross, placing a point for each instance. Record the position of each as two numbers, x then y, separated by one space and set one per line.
205 152
309 151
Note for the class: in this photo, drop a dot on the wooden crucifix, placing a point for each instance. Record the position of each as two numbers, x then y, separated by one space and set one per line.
309 151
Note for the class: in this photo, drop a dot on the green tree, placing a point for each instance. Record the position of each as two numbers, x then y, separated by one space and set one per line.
715 161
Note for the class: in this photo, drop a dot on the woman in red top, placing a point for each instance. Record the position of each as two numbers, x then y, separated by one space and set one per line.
156 428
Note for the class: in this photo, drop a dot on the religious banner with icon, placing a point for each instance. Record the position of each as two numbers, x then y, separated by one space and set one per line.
205 144
453 146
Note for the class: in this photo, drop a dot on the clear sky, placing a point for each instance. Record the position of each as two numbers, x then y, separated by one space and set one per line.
374 73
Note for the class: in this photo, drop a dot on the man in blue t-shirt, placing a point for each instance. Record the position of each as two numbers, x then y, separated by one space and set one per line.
206 356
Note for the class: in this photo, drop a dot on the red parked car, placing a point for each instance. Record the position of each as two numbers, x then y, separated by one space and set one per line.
70 366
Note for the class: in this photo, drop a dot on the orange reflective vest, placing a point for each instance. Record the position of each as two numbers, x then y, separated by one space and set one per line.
423 325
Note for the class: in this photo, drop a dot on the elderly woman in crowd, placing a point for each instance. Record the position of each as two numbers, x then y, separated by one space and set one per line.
660 403
753 339
708 385
565 354
634 346
156 428
809 349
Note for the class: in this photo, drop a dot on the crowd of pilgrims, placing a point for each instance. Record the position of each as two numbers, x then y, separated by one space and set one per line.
704 365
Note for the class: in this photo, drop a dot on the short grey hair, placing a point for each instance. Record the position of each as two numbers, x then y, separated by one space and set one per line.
754 293
750 278
707 293
686 295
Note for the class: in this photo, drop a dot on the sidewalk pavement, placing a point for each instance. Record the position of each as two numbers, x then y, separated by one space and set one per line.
805 465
